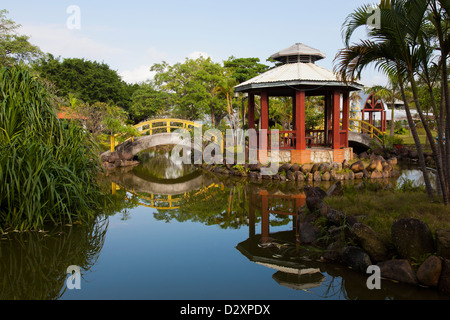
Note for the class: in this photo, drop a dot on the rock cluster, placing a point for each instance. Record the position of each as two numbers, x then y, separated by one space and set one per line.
118 159
356 245
403 154
376 168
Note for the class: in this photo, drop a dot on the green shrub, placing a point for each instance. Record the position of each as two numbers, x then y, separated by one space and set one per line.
47 168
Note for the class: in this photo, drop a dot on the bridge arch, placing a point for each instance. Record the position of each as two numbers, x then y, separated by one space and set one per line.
158 132
137 145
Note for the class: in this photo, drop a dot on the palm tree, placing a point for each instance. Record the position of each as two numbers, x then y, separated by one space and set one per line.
392 48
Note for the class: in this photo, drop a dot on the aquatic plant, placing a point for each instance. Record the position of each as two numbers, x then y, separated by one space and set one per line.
47 167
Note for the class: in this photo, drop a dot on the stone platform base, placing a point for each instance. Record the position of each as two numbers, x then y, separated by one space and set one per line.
313 155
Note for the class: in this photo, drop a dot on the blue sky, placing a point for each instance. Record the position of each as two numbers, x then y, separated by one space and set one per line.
132 35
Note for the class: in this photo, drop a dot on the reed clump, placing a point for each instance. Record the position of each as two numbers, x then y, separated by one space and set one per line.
47 167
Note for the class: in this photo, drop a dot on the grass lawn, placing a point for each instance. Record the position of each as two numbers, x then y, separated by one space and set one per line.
379 209
408 140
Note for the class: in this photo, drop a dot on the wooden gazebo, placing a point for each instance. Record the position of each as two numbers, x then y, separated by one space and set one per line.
298 77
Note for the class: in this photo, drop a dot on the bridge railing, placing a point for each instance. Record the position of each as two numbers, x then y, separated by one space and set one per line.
162 202
161 126
366 127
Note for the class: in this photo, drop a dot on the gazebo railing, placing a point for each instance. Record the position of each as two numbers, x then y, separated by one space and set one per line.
286 139
316 138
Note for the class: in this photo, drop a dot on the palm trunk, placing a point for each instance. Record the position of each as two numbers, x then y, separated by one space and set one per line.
391 134
430 139
439 157
444 83
419 149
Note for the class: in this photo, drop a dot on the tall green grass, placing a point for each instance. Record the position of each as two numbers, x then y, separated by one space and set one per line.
47 167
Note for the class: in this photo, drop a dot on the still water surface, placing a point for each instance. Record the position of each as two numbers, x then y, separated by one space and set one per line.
180 234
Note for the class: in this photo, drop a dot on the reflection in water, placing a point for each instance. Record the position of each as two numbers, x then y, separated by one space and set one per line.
233 203
160 165
34 264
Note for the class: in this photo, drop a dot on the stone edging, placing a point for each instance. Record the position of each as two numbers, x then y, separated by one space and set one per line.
412 240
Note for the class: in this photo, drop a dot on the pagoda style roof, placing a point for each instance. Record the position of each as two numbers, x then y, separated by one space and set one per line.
298 52
295 74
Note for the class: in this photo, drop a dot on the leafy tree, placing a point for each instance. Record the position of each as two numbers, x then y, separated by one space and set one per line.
402 47
147 102
90 81
193 86
243 69
14 47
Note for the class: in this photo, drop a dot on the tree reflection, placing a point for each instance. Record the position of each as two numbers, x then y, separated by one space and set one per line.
33 265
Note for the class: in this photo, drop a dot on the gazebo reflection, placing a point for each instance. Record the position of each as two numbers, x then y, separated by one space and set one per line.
273 204
279 250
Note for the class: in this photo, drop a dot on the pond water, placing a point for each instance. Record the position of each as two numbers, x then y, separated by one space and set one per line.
181 234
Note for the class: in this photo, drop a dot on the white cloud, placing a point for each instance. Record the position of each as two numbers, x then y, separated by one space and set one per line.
137 75
155 55
60 41
197 54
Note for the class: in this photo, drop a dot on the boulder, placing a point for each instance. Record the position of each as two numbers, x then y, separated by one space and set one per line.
345 164
307 233
358 166
104 158
376 174
412 238
317 176
284 167
315 167
326 176
299 176
113 157
392 162
375 165
290 175
306 168
359 175
336 166
335 217
399 270
429 271
254 175
335 190
444 279
314 198
333 253
295 167
255 167
342 233
369 240
363 155
443 243
356 258
314 192
350 175
324 167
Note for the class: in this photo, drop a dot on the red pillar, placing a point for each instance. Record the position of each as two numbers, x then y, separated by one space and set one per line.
336 119
300 120
251 111
345 117
264 121
251 215
265 225
264 110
